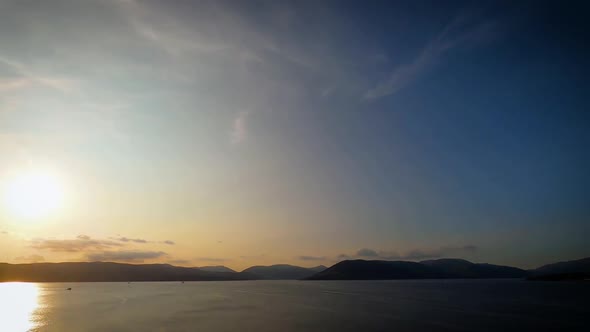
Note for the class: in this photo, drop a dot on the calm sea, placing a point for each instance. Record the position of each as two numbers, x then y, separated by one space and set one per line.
285 306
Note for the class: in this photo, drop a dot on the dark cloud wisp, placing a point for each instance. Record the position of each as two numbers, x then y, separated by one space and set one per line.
312 258
365 252
126 239
415 254
127 256
81 243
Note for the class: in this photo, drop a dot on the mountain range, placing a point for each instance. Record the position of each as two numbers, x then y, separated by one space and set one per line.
450 269
106 271
570 270
431 269
345 270
282 271
216 268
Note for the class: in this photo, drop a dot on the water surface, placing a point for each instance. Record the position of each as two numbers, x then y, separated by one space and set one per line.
433 305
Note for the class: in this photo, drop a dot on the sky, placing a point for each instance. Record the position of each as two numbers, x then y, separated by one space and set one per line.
244 133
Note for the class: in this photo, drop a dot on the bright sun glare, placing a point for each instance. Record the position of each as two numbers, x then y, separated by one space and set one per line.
33 194
18 304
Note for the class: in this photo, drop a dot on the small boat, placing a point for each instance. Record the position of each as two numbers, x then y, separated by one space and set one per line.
69 288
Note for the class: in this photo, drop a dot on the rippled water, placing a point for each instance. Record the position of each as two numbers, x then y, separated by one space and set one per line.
297 306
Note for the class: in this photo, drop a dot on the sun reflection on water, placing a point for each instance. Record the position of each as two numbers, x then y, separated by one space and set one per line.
18 302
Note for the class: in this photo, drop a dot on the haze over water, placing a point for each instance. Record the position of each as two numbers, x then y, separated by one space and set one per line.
451 305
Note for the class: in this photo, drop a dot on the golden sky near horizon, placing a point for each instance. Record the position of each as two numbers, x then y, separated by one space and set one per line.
221 133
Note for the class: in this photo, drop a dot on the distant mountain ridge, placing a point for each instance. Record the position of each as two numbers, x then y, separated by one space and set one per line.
431 269
216 268
460 268
282 272
318 268
106 271
345 270
570 270
109 271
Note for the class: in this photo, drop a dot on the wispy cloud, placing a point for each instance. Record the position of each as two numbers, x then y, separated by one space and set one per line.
462 31
166 32
415 254
27 77
125 239
439 253
113 249
312 258
125 256
13 84
81 243
365 252
239 130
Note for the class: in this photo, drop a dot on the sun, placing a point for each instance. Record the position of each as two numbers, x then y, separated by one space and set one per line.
33 194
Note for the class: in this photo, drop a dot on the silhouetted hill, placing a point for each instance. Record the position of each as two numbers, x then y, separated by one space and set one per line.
570 270
376 270
104 271
460 268
218 268
433 269
318 268
345 270
281 272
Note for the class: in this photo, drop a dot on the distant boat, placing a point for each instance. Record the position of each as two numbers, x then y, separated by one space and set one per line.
69 288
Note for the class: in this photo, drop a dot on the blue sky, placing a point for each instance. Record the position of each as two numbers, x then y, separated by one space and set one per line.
300 132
